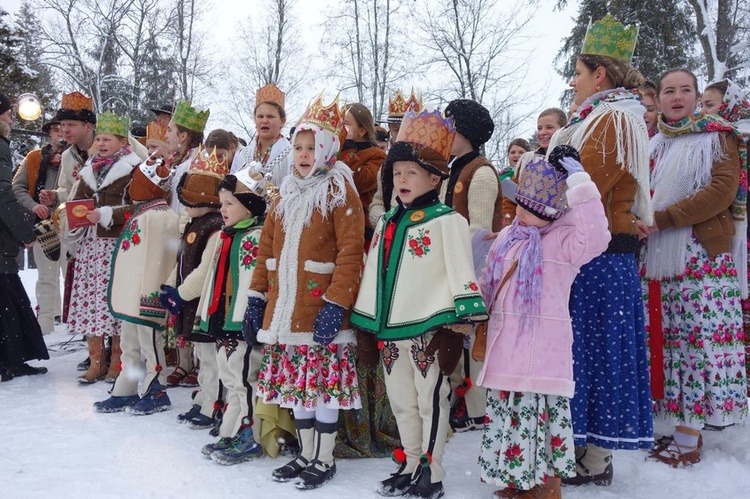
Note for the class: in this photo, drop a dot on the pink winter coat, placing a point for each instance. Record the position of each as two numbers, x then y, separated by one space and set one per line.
541 361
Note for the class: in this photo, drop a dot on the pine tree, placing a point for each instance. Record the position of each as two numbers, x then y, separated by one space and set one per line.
27 28
15 76
665 40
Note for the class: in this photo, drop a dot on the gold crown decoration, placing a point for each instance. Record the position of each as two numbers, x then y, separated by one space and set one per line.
209 164
428 129
610 38
398 106
109 122
330 117
159 174
189 117
76 101
270 93
251 180
155 131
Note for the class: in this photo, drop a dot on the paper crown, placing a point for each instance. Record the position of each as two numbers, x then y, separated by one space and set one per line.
151 180
251 180
542 188
270 93
109 122
398 106
155 131
76 106
76 101
209 164
159 174
328 117
189 117
610 38
428 129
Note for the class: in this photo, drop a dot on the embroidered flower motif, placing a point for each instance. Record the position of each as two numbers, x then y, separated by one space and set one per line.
390 354
420 245
130 235
472 286
313 287
422 360
249 253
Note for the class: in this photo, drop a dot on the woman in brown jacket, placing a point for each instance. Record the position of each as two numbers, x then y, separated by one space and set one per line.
361 153
695 177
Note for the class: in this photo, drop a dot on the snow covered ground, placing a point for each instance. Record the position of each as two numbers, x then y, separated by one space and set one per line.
52 444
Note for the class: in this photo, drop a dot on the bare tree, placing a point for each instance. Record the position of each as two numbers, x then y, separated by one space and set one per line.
369 56
722 29
479 45
269 53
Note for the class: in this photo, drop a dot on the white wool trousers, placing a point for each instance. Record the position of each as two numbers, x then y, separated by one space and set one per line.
418 393
211 389
48 296
235 366
137 340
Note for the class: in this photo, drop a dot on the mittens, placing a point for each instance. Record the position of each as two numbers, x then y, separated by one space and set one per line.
252 321
170 299
328 323
571 165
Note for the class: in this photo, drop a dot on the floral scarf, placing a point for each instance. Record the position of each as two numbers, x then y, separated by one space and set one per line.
100 165
616 95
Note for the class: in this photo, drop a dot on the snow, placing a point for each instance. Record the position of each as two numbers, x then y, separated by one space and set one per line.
53 444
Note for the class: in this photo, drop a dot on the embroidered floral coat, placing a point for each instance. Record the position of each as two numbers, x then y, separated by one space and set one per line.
429 279
146 251
243 257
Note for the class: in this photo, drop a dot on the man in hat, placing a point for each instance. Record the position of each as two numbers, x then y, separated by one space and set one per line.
473 190
39 171
163 113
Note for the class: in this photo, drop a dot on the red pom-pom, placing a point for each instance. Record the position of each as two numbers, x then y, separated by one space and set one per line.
464 387
218 405
158 368
425 459
380 344
468 384
398 456
127 216
119 366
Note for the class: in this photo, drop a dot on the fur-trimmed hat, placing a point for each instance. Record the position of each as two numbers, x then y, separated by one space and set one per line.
542 186
472 120
199 186
78 107
422 155
5 103
246 194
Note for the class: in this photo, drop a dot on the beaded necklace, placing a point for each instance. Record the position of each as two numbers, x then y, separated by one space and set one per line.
264 157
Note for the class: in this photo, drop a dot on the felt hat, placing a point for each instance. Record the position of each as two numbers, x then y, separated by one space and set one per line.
78 107
426 139
472 120
199 186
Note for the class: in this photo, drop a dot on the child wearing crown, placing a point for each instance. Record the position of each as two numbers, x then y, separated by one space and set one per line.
306 279
147 241
419 295
198 192
184 134
527 445
222 307
104 179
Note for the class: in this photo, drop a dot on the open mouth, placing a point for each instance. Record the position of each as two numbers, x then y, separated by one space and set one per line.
404 191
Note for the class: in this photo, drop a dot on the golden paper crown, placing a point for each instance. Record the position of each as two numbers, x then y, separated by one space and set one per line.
155 131
428 129
610 38
209 164
76 101
270 93
109 122
330 117
398 106
189 117
157 173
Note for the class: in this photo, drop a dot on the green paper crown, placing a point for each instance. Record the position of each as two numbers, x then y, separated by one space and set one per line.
109 122
610 38
188 117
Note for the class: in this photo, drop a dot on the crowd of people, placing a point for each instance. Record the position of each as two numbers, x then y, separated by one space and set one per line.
357 291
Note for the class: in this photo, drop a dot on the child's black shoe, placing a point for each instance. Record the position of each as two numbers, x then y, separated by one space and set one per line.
424 488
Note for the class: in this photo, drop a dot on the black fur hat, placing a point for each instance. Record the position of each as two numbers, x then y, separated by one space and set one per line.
472 120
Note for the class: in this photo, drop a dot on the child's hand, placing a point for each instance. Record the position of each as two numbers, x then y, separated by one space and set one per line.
328 323
170 299
252 321
571 165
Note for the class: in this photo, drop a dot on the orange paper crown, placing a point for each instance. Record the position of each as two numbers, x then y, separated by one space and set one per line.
270 93
209 164
398 106
76 101
330 117
428 129
155 131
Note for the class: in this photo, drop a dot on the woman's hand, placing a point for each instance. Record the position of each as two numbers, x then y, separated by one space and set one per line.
93 216
642 230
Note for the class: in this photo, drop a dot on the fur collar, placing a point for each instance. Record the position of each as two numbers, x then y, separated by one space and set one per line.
124 166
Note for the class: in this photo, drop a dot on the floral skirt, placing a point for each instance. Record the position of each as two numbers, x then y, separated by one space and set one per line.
746 326
297 376
88 313
704 351
527 437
